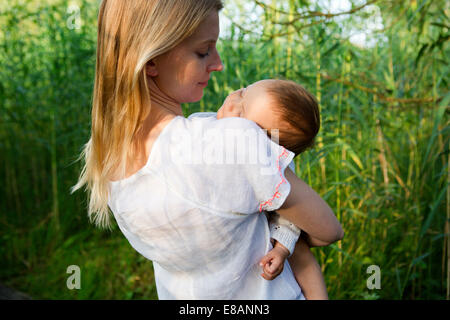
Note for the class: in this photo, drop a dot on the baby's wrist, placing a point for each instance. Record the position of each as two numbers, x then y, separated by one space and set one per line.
282 249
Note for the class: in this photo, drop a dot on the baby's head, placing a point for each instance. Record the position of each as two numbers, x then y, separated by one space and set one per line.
277 104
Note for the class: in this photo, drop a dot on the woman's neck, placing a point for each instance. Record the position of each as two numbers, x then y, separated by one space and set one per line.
162 110
161 102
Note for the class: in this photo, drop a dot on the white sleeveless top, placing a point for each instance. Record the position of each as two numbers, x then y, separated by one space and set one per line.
195 209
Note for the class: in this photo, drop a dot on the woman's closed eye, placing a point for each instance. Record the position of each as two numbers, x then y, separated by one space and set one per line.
203 55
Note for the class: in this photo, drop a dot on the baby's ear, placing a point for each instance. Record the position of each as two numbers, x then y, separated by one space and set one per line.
150 69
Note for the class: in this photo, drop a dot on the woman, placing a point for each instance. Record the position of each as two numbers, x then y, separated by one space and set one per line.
198 222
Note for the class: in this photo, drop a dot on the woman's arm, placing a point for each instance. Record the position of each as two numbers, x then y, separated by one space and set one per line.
314 242
308 211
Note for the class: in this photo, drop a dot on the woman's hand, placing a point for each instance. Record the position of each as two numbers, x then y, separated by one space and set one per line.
308 211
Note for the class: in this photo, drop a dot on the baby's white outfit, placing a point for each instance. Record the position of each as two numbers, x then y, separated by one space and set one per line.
199 219
283 231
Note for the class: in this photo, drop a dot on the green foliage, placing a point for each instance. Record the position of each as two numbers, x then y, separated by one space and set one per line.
381 160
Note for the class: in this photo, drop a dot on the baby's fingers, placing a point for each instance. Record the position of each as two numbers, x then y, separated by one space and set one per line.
266 259
274 266
267 276
274 269
267 273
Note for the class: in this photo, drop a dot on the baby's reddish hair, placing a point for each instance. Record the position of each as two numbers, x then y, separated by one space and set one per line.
300 110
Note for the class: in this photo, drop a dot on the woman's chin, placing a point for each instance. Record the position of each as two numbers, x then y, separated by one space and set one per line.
195 98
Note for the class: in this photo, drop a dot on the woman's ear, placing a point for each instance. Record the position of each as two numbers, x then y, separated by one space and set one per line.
150 69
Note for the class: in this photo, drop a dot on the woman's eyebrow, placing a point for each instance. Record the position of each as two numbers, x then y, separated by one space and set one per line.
209 41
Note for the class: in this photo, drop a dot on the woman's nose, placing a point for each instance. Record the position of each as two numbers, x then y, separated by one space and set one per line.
216 65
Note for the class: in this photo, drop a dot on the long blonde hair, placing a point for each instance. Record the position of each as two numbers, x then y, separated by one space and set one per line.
130 33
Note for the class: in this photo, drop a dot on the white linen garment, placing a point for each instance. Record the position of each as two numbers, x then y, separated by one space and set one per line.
195 209
280 229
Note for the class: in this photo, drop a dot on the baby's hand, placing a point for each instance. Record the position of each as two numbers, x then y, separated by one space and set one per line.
273 261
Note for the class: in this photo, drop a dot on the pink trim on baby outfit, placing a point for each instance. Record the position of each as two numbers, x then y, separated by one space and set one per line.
277 194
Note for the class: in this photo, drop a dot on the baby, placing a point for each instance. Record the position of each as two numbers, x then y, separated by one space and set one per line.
288 107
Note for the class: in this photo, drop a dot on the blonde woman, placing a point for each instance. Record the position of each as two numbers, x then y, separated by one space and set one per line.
199 221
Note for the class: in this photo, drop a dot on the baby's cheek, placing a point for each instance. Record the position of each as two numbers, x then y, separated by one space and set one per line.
231 114
227 111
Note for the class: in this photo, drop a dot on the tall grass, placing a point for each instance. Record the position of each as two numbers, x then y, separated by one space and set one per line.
381 161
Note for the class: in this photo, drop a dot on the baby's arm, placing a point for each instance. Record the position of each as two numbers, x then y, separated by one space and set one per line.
285 235
288 243
307 272
284 231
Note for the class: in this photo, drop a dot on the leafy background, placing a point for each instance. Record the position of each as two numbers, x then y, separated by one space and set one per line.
378 68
